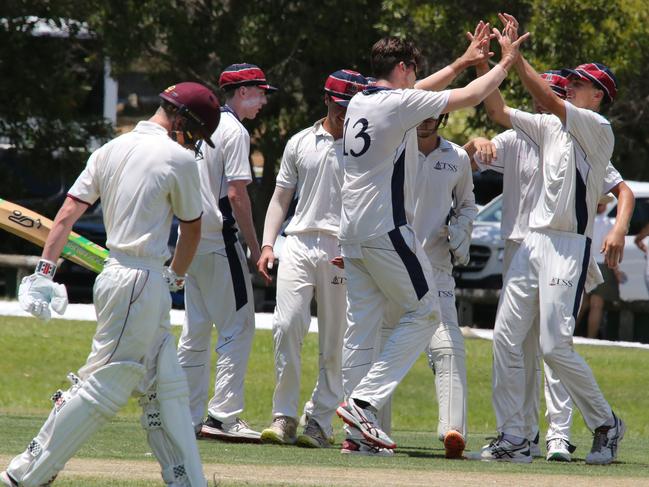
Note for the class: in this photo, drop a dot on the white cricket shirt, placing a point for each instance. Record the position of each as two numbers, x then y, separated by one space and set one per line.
312 163
143 178
228 161
574 158
379 142
443 180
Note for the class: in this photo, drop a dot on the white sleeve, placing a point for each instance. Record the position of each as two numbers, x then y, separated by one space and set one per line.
612 178
287 176
417 105
236 155
592 131
528 125
86 187
503 142
185 190
464 189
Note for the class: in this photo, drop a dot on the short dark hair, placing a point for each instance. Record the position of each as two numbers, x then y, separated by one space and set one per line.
390 51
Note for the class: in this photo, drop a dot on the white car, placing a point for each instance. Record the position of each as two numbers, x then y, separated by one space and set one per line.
484 271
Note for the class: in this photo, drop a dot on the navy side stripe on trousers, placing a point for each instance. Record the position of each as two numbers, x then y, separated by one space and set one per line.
236 273
582 278
411 262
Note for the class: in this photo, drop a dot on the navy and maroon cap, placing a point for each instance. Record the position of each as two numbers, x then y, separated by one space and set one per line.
198 104
557 81
244 74
598 74
341 85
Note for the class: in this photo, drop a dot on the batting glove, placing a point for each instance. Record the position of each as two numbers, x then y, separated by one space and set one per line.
38 293
459 238
173 280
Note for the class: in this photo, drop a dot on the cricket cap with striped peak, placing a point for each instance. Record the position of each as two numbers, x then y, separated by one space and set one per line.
557 81
598 74
343 84
244 74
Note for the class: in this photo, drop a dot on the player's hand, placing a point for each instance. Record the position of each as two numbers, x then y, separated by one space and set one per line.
613 248
485 150
459 239
338 262
37 294
478 51
639 242
509 40
173 280
265 263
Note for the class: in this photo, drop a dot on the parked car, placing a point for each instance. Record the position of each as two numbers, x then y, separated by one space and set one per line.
487 249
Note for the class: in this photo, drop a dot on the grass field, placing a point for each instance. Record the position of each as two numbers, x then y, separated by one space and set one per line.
36 358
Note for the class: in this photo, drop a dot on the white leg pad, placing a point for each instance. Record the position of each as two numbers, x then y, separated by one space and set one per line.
446 356
167 420
77 414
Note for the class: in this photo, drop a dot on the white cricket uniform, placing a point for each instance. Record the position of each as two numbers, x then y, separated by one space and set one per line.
518 161
312 166
548 272
143 179
444 180
218 290
383 259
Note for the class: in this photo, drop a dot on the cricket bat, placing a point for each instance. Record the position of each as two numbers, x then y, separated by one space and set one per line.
31 226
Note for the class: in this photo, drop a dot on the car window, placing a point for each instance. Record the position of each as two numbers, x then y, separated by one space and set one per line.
640 215
493 212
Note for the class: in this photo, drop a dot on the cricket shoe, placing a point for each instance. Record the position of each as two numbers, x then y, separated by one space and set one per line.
282 431
364 419
535 450
454 444
7 481
559 450
501 450
314 436
236 431
606 439
363 447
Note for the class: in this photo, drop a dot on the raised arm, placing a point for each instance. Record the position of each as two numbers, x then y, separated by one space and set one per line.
275 216
476 91
477 52
539 89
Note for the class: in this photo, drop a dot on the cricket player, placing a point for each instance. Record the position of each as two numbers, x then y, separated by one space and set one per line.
518 160
311 168
383 259
444 210
548 272
143 178
219 291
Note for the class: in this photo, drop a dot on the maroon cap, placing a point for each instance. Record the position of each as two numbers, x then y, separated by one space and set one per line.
196 103
598 74
244 74
557 82
343 84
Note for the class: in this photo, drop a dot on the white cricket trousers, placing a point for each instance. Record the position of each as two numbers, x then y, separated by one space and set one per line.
218 292
446 357
558 403
546 278
305 269
391 268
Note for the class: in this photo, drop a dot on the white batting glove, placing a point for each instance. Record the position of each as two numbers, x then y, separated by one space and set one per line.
173 280
38 292
459 238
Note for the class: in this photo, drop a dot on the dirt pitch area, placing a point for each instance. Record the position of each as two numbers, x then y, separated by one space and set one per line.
225 474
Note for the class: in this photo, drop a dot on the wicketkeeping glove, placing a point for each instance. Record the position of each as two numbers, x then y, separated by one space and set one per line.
459 238
173 280
38 292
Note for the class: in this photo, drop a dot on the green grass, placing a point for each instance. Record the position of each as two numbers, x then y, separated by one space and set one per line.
36 358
